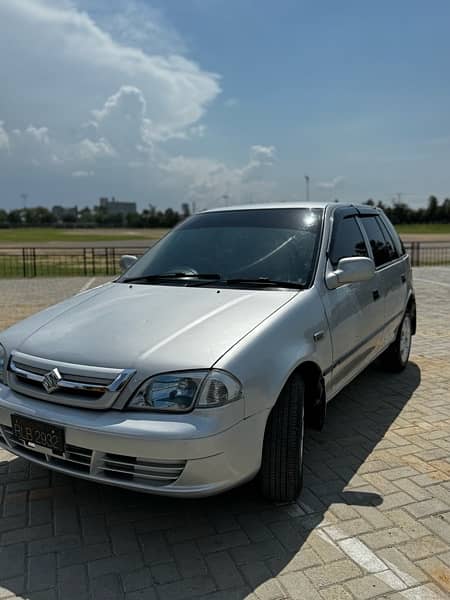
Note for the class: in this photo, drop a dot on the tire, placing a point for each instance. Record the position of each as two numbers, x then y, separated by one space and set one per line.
396 357
281 475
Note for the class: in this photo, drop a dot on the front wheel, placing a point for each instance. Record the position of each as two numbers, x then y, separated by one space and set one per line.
396 357
281 474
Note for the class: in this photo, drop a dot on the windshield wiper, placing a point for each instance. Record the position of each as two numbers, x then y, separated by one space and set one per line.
215 277
266 282
169 276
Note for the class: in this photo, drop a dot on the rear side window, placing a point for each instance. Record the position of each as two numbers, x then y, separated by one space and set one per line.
394 235
381 248
347 241
391 248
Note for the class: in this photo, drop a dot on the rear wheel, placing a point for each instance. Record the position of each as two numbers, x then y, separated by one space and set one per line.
396 357
281 474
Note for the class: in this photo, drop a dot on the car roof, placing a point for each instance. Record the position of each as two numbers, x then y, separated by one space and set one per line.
275 205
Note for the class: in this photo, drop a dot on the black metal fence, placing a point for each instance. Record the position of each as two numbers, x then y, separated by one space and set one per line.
54 262
426 254
91 262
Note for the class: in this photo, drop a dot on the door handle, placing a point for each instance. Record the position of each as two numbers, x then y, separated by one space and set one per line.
376 294
403 278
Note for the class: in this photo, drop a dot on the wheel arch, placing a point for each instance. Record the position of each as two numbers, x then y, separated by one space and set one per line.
315 395
411 308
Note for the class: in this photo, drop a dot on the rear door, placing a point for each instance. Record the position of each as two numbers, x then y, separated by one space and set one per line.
355 311
391 268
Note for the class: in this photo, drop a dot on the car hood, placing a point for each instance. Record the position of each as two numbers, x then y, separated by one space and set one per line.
150 327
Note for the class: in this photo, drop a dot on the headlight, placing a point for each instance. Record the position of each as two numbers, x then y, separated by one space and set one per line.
2 363
179 392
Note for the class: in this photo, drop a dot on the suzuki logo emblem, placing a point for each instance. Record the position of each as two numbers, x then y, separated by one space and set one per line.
51 381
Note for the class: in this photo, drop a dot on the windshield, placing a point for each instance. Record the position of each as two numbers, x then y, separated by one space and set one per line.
274 244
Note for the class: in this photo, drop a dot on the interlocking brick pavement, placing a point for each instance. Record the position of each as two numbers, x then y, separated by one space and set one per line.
373 520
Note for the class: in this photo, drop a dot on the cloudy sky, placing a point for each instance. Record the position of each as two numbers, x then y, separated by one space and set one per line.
214 101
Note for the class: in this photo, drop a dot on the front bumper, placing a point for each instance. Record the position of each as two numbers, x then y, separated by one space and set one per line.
195 454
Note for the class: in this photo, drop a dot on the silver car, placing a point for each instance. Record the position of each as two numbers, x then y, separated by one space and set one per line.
197 369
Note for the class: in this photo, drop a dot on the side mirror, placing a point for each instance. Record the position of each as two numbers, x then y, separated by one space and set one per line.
351 270
127 261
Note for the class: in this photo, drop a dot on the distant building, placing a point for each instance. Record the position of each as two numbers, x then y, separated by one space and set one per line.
65 213
112 207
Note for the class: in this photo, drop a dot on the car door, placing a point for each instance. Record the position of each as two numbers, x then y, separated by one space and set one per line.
391 268
355 311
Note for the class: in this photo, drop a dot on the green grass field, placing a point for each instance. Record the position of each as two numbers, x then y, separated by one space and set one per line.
42 235
434 228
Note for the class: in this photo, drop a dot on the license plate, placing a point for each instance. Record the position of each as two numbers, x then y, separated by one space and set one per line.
37 433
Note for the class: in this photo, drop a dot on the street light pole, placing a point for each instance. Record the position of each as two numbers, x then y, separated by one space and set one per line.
307 187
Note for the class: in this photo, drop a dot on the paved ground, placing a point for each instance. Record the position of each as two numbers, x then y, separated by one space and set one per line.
372 522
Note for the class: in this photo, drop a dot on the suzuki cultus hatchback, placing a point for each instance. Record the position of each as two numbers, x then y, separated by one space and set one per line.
196 369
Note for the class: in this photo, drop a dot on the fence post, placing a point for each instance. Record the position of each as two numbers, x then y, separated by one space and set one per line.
85 262
93 260
24 262
34 262
413 254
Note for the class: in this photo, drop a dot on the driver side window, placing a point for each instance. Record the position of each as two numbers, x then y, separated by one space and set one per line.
347 240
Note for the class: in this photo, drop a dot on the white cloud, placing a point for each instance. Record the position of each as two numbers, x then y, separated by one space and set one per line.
333 184
31 145
32 135
210 182
98 96
91 150
103 111
40 134
72 65
128 102
263 154
136 23
123 121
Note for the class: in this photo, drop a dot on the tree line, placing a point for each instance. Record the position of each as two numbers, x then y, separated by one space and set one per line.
400 213
97 216
39 216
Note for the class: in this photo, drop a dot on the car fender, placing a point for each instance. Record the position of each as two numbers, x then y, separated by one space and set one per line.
265 359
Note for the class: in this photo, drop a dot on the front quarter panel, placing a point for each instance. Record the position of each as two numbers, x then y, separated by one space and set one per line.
264 359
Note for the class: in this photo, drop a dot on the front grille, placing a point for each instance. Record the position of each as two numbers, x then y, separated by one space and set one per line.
82 386
114 468
30 368
117 466
33 386
100 381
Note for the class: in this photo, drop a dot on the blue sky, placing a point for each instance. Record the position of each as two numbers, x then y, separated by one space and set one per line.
164 101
